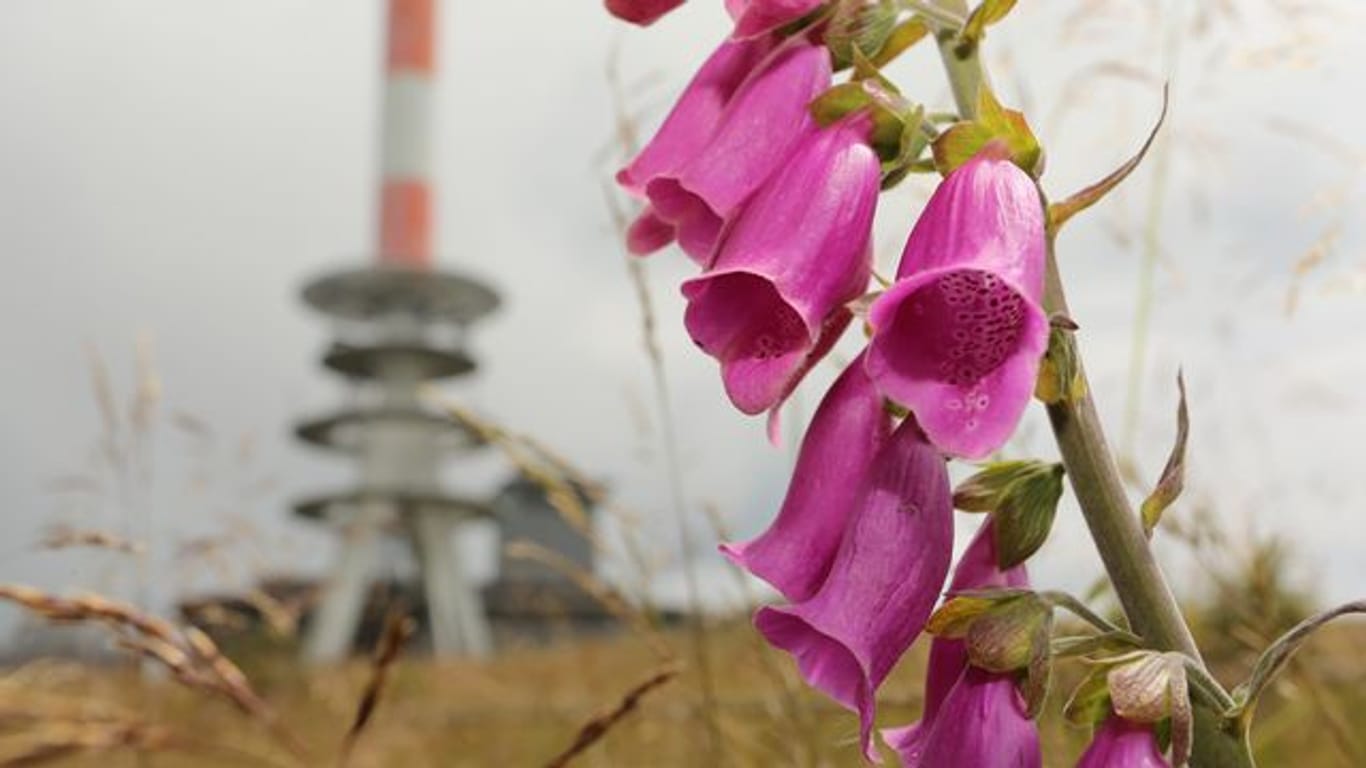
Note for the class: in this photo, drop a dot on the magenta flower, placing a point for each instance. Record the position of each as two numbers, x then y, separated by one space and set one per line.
686 130
948 660
958 338
981 723
762 123
755 17
797 253
1122 743
849 428
882 584
642 12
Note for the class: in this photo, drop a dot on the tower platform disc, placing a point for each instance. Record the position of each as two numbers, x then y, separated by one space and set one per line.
371 293
340 507
345 432
370 361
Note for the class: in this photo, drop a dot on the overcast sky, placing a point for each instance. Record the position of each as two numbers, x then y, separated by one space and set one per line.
175 170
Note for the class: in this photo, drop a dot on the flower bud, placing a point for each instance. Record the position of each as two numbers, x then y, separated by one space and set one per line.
1150 687
1011 635
1060 379
1024 496
860 26
988 489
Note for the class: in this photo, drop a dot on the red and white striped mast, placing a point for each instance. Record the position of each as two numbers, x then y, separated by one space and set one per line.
405 222
390 344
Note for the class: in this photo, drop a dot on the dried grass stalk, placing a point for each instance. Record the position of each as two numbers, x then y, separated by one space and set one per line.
190 655
65 739
398 628
593 731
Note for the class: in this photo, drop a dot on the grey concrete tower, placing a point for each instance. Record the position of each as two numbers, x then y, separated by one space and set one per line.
398 325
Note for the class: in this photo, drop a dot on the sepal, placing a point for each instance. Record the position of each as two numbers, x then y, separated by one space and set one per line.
994 123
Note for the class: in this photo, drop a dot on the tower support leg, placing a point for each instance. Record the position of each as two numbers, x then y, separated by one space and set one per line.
454 609
337 618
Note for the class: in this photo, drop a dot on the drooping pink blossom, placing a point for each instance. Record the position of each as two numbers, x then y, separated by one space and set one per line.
888 571
756 17
959 337
976 569
641 12
981 723
849 427
686 130
798 252
761 125
696 113
1121 743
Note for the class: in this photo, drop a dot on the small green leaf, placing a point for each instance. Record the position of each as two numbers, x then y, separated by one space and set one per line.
837 102
1025 517
905 35
1011 635
1060 212
1150 688
913 144
955 616
1173 479
1060 379
985 490
957 144
1087 645
871 92
1089 703
984 15
1275 657
962 141
1183 714
860 31
1038 675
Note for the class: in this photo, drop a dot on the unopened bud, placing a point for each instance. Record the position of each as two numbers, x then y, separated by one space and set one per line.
1060 379
1151 688
956 615
1025 517
859 30
984 491
1011 635
1024 495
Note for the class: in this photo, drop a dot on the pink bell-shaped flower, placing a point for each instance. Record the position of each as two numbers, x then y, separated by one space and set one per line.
765 120
796 254
641 12
755 17
1121 743
981 723
882 584
849 428
959 337
686 130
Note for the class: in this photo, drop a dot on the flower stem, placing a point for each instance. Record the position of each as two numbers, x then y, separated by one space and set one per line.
1116 530
1118 534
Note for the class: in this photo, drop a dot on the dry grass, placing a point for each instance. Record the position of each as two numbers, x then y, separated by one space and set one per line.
527 706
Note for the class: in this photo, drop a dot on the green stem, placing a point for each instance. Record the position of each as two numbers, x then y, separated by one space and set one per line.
965 72
1117 532
1118 535
1080 610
